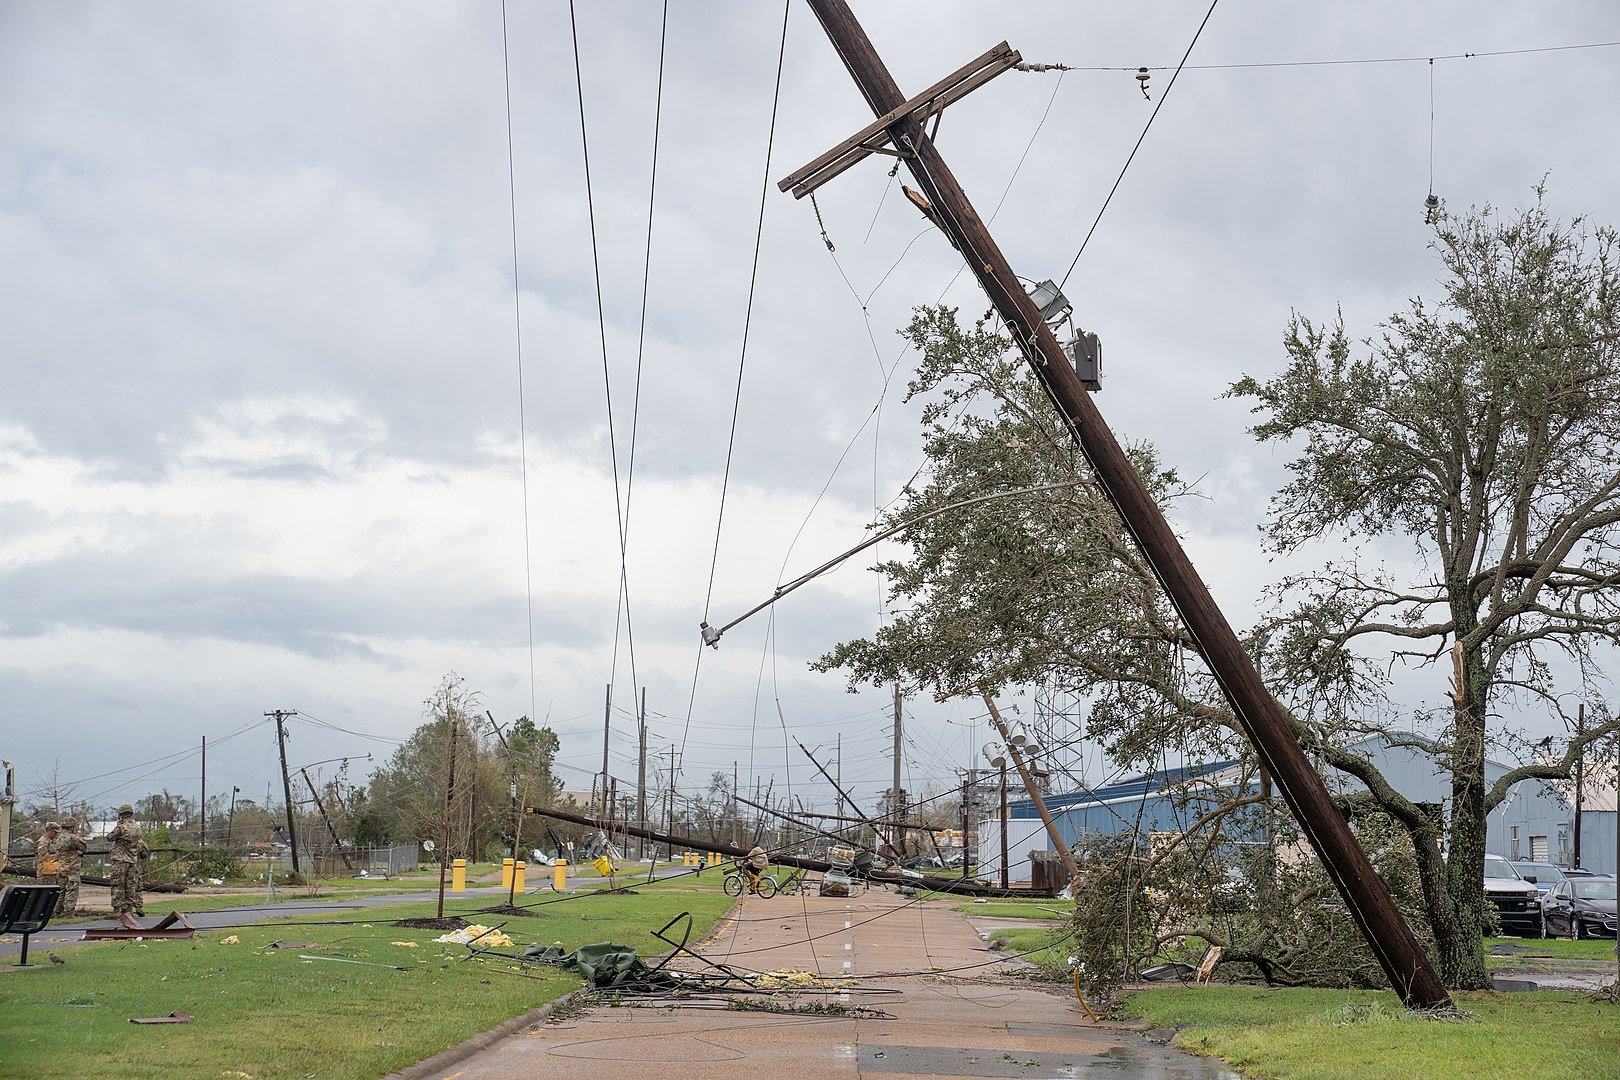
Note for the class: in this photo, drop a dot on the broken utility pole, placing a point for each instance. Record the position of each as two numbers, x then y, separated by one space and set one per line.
322 808
899 129
286 781
908 878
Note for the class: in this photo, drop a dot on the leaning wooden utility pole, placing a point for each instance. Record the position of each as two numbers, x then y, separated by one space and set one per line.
1059 845
899 130
347 862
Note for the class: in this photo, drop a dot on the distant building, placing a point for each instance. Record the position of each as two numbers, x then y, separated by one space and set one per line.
1536 820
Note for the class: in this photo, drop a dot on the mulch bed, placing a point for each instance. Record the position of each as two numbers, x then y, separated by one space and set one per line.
449 922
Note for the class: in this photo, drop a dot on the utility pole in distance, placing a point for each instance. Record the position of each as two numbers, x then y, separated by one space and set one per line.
641 780
607 724
286 783
449 790
898 811
202 815
900 123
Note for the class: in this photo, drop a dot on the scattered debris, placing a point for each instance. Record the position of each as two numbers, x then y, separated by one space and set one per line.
1168 972
362 963
172 925
790 979
291 945
406 944
232 940
490 937
176 1017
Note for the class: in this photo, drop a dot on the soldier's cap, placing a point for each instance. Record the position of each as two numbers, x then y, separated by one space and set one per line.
126 811
49 825
70 823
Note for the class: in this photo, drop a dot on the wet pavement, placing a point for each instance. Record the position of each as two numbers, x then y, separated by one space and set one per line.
952 1009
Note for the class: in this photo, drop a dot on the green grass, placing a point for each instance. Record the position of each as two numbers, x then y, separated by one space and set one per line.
1046 948
1323 1034
1020 909
1559 948
268 1014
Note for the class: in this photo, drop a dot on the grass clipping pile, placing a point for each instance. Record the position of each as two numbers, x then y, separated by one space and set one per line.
1277 919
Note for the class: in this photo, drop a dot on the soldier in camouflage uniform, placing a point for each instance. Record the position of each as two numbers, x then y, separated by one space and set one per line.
69 852
124 863
45 862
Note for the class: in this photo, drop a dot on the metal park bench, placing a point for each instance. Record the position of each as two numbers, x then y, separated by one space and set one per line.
25 909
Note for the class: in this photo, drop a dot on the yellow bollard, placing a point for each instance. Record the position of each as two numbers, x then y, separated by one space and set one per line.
714 858
559 875
458 875
506 872
517 875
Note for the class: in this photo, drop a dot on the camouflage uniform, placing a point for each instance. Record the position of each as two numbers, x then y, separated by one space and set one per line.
124 864
45 861
69 852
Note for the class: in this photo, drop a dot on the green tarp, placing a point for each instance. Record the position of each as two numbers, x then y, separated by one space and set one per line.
605 965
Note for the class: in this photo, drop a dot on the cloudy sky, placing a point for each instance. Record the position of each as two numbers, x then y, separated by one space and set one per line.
260 436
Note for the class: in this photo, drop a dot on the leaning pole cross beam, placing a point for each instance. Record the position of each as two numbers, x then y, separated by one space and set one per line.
1257 712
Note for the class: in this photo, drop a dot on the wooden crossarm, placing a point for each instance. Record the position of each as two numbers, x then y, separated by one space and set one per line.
875 136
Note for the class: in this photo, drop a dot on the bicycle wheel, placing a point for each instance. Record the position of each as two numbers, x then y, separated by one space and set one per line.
734 885
766 886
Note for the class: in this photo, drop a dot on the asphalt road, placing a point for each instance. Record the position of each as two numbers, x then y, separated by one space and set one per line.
70 934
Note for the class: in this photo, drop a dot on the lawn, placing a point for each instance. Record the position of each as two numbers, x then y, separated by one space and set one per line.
1019 909
1529 949
270 1013
1322 1034
1048 949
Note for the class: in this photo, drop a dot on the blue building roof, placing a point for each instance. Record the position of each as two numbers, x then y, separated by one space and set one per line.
1135 788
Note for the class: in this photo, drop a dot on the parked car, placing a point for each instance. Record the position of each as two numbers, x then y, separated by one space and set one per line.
1518 906
1581 907
1544 875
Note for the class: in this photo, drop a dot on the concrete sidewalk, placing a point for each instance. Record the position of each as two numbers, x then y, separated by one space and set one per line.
957 1012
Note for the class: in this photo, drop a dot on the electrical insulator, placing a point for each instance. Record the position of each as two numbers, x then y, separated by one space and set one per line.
1142 78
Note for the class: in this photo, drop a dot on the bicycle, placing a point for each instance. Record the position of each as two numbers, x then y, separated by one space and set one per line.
764 885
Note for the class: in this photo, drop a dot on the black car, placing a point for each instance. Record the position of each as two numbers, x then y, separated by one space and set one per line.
1581 907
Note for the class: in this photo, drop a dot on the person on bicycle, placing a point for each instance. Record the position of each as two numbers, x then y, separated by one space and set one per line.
754 865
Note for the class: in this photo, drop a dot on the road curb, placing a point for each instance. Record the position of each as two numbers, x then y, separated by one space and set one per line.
446 1059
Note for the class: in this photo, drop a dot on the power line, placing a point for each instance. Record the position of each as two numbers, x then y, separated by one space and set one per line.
517 319
1360 60
1163 96
601 316
635 399
742 358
